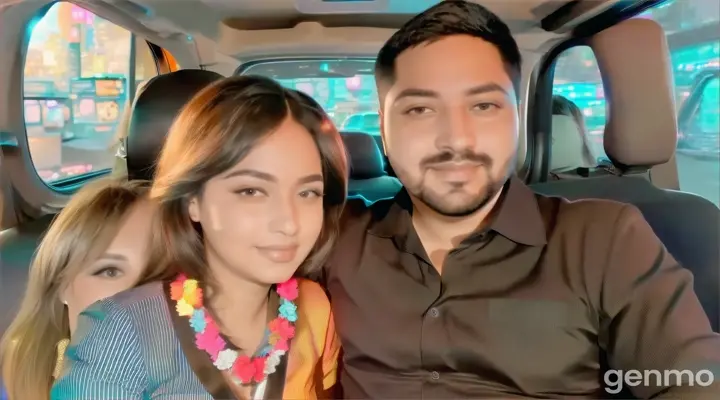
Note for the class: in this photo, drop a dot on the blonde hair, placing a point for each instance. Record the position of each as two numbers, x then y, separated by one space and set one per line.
77 236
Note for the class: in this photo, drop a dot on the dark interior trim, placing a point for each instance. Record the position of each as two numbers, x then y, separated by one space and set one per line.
619 12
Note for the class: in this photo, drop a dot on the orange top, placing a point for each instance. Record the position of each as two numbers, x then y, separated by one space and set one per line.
315 345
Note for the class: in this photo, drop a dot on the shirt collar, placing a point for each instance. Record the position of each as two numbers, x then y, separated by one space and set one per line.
518 219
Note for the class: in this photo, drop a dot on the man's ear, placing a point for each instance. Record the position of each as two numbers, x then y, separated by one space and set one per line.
194 209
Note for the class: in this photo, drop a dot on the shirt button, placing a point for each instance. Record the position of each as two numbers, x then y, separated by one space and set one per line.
434 312
434 375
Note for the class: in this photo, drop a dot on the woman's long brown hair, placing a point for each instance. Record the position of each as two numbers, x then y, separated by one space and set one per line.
212 134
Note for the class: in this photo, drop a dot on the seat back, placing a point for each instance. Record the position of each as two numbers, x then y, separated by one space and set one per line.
368 178
641 132
154 110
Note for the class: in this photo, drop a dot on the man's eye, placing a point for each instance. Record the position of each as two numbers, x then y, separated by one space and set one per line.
485 106
418 110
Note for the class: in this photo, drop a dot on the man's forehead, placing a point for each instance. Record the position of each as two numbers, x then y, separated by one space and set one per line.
451 62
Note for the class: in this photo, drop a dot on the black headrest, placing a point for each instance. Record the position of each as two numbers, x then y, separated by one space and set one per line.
153 112
366 159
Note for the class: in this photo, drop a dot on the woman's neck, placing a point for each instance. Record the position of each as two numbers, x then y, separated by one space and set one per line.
238 303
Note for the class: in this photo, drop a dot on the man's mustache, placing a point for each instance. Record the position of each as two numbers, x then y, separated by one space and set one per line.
449 156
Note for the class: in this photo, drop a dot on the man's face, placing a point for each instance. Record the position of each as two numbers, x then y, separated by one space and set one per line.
450 123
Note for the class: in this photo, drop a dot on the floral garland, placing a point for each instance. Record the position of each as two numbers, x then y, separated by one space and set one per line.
245 370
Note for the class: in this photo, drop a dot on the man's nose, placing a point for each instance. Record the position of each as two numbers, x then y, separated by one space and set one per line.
457 133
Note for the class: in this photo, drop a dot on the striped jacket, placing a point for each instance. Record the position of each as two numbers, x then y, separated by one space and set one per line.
131 346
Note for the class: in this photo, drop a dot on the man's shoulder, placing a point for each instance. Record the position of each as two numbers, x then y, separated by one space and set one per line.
582 214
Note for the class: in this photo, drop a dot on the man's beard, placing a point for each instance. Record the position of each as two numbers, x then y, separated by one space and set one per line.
440 203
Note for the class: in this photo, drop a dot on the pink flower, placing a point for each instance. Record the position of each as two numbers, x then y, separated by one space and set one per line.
259 364
211 327
244 369
282 328
211 344
288 290
282 345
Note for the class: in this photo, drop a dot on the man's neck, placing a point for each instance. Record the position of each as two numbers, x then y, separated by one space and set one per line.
450 230
439 233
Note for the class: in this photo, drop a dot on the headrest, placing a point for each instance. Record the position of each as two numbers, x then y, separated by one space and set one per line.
568 145
366 160
155 108
642 127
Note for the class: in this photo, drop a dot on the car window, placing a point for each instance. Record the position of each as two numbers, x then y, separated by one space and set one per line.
353 122
694 42
76 85
344 88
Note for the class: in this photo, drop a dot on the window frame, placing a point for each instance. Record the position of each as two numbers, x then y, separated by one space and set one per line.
69 185
240 70
539 124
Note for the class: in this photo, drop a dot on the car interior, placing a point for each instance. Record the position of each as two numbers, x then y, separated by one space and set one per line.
638 69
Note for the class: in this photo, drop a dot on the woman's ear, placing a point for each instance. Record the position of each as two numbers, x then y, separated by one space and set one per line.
194 209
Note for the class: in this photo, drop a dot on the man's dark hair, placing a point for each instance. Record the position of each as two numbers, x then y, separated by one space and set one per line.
448 18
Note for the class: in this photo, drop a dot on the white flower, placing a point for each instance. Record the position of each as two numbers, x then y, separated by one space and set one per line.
225 359
273 361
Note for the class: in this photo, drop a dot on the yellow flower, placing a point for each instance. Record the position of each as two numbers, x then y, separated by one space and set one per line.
184 309
273 338
194 298
190 286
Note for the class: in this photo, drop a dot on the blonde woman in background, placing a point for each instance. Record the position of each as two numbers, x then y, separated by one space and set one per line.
95 248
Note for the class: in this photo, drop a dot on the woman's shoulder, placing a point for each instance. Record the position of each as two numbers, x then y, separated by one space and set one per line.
141 301
312 298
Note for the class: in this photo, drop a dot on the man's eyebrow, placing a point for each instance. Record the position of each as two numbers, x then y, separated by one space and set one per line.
486 88
416 92
473 91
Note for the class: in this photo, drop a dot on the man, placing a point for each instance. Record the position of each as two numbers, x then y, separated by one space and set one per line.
469 285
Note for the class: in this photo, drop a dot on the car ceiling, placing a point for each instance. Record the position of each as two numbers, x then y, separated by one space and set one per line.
248 29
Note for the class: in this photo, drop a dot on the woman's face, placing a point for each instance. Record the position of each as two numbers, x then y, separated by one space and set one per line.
261 218
115 270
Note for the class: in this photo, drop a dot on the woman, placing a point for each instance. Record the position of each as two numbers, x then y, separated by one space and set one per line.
565 156
250 186
94 249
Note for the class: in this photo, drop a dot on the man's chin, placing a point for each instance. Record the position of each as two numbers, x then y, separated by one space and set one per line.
454 204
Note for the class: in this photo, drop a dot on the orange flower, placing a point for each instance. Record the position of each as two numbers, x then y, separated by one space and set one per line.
176 290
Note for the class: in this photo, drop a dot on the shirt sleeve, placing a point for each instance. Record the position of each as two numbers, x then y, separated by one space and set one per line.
104 360
655 324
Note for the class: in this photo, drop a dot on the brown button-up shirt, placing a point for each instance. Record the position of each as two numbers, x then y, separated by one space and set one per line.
541 304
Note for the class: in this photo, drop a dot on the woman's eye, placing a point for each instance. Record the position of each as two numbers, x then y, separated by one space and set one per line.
109 272
310 194
249 192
